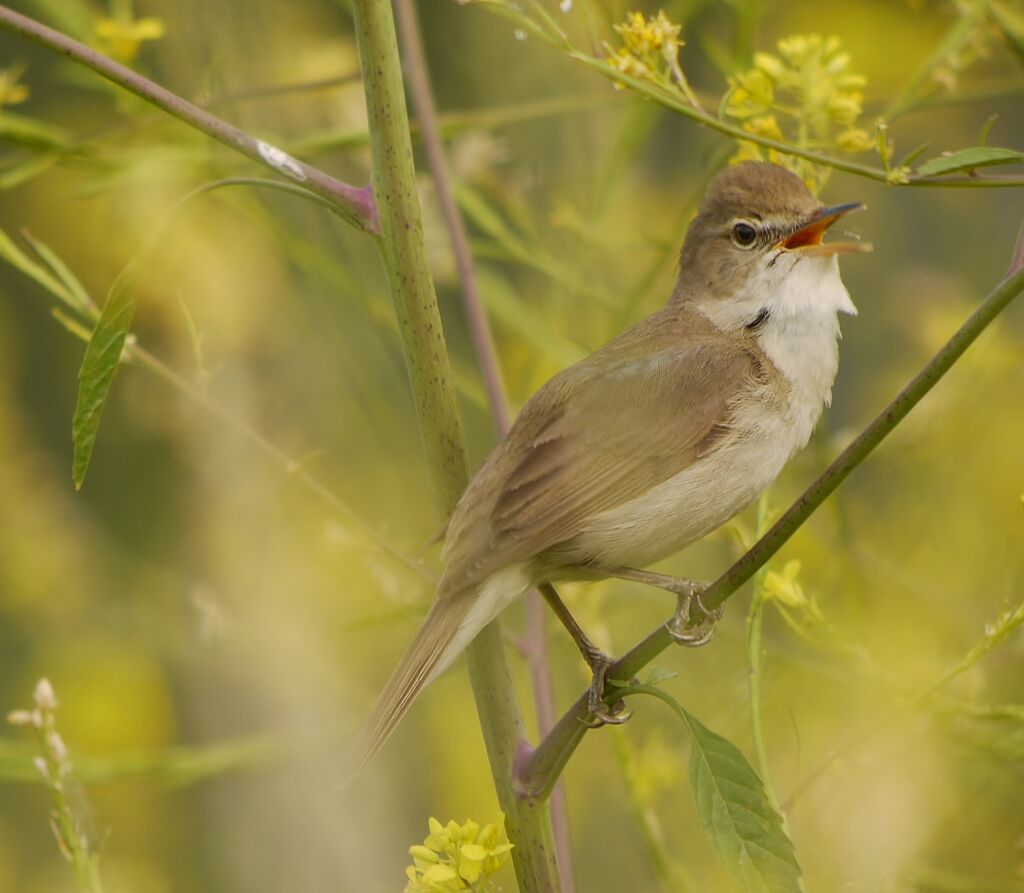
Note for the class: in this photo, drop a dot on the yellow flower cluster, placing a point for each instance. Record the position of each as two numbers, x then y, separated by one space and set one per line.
810 88
122 36
650 51
457 857
12 92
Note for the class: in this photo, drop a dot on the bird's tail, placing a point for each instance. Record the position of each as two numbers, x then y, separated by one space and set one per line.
451 624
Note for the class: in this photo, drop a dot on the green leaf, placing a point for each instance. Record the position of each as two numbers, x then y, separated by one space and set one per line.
62 271
35 271
102 356
27 169
1011 23
966 159
24 131
657 675
735 811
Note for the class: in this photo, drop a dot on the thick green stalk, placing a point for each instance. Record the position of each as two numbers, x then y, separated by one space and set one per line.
541 770
412 290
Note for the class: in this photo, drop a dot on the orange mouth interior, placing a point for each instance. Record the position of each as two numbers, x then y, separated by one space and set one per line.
812 234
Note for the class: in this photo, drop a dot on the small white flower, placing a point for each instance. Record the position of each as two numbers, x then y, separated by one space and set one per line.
58 750
44 695
42 767
21 718
519 34
565 5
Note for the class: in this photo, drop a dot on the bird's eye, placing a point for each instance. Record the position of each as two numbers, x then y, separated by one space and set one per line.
744 235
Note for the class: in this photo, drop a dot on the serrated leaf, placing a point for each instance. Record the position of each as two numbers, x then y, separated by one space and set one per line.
734 809
967 159
102 356
735 812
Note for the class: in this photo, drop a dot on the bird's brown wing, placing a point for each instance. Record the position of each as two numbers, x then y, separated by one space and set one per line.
600 434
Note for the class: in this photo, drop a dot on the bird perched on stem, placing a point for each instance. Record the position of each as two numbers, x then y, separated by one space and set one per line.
654 440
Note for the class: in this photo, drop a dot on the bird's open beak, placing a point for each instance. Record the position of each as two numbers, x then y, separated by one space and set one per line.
809 238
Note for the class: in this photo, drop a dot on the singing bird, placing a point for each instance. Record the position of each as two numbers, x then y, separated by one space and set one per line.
654 440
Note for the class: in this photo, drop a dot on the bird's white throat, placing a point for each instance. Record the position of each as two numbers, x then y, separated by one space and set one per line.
802 296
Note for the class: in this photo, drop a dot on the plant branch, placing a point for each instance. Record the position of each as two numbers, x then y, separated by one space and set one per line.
415 64
677 104
355 204
412 290
548 31
536 652
541 769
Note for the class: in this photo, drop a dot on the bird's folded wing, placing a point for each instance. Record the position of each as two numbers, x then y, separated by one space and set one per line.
596 442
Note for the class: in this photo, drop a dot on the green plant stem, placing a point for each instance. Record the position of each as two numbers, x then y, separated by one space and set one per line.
676 103
548 30
412 290
355 204
536 652
539 772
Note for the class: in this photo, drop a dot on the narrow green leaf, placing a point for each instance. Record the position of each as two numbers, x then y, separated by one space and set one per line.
103 353
24 131
965 159
1011 23
102 356
734 809
27 169
523 318
35 271
62 271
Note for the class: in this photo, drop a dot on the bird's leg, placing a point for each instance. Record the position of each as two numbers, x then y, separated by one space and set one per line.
596 659
684 627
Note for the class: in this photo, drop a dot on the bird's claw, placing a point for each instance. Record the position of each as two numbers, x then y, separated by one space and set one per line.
600 713
690 631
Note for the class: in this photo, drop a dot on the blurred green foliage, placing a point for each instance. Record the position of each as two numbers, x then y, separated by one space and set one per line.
215 628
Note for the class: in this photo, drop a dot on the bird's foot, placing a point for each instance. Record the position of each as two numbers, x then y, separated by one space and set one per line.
602 714
687 626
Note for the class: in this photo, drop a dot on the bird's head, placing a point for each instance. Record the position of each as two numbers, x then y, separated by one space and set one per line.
756 248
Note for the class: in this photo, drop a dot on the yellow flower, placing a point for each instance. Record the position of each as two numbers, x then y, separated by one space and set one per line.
656 35
629 64
457 857
121 37
805 94
766 126
650 51
855 140
784 587
11 92
752 93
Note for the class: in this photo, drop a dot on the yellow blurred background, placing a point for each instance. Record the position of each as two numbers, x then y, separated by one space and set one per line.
216 629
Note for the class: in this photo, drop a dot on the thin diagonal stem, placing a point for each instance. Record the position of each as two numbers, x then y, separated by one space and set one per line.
135 353
355 204
539 772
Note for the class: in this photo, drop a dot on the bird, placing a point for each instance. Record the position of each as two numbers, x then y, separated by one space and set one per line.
654 440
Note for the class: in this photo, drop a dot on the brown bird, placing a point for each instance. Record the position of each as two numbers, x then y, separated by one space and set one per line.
654 440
